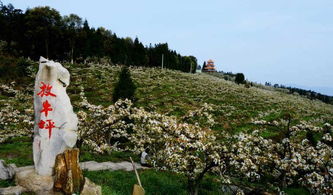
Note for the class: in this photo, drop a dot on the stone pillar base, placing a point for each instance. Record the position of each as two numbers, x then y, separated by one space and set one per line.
27 180
67 179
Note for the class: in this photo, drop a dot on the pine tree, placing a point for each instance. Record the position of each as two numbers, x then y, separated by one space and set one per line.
125 88
204 66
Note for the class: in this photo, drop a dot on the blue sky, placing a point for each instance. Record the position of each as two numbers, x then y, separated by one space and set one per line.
286 42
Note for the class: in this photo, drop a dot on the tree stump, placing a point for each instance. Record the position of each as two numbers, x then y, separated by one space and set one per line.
68 175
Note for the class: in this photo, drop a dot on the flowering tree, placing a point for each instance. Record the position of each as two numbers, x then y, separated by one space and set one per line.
201 117
180 147
193 150
103 128
14 122
294 160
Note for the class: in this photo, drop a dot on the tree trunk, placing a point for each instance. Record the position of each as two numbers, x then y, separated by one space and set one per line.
72 52
193 184
47 48
72 56
79 143
284 180
193 187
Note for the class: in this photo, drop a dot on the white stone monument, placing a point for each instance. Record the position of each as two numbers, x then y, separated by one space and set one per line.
55 122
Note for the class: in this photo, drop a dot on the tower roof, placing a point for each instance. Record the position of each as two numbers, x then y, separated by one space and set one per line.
210 67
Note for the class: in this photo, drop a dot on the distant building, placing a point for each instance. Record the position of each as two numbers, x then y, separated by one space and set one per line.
210 67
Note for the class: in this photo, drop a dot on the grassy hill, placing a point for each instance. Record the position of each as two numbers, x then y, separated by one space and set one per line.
235 109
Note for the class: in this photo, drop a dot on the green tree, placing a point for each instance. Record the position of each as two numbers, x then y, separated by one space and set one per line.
44 31
11 18
193 64
240 78
125 87
73 24
139 53
204 66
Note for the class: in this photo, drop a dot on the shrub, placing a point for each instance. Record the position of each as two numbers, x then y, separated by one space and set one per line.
22 66
240 78
125 88
12 67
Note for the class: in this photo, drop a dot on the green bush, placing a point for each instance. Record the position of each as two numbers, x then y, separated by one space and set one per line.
7 67
22 67
12 67
125 87
240 78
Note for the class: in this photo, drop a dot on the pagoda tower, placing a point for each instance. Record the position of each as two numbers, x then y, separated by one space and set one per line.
210 67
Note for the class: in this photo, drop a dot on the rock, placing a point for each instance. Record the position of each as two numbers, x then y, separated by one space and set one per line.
68 175
6 171
33 182
55 122
91 188
12 190
19 169
29 181
95 166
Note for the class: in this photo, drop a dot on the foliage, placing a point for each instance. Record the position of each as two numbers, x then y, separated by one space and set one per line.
204 66
10 116
193 151
42 31
239 78
125 87
179 147
7 183
229 76
16 69
307 93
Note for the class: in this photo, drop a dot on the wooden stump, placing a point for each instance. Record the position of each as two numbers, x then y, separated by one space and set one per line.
68 175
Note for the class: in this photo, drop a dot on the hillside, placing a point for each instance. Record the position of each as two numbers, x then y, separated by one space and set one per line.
234 109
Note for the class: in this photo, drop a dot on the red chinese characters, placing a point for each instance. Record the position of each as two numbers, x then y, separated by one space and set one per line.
47 107
41 124
46 90
49 125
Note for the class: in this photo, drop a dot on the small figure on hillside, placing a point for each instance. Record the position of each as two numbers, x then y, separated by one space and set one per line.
145 158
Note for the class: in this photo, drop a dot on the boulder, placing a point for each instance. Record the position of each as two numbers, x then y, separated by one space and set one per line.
55 122
91 188
32 182
6 171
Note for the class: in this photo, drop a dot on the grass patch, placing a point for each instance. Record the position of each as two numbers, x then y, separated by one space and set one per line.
270 133
113 156
17 150
296 191
7 183
154 182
